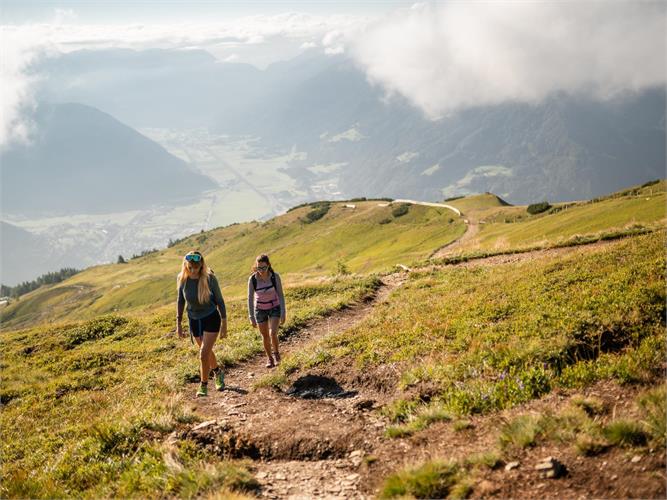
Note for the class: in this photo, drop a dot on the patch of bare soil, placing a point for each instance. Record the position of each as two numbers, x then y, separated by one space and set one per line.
325 437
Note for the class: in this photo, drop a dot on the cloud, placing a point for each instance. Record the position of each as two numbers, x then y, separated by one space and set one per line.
18 51
447 56
334 42
264 33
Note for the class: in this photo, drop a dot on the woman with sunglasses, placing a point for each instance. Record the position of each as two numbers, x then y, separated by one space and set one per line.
199 289
266 305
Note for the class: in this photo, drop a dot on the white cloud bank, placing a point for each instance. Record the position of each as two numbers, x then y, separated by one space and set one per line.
447 56
264 37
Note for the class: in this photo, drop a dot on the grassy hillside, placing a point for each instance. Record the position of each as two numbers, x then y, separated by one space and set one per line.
94 381
481 338
512 227
368 238
477 202
89 415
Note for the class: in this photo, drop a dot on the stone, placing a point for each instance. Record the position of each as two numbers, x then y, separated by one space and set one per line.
280 476
551 468
352 477
511 465
614 477
635 459
356 453
204 425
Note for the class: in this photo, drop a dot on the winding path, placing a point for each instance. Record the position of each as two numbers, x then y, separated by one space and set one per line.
324 446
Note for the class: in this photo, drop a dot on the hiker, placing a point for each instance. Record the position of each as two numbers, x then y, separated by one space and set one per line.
207 315
266 305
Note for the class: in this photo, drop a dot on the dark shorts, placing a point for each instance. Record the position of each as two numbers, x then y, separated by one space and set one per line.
210 323
262 315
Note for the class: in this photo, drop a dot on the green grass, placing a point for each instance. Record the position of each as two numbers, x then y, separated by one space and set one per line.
88 404
477 202
342 238
625 433
491 337
654 406
428 480
647 207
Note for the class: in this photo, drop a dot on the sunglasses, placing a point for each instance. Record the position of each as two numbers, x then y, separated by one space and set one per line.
193 257
262 268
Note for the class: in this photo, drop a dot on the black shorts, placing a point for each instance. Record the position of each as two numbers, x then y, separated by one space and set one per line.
210 323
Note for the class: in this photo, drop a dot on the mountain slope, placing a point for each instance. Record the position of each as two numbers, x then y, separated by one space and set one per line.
364 239
84 161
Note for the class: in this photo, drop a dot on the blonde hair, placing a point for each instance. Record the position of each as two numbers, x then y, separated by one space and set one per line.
203 288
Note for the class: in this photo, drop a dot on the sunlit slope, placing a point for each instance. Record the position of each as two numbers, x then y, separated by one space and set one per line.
363 239
487 336
101 395
477 202
513 227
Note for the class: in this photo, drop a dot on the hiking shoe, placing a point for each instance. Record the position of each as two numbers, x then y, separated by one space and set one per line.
219 380
276 356
270 363
203 390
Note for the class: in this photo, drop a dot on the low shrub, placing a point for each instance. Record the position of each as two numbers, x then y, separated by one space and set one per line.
538 208
320 209
95 329
400 210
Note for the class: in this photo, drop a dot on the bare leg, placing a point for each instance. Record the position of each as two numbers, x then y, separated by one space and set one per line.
206 353
274 323
264 330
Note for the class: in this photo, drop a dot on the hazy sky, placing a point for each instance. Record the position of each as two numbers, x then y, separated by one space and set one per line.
442 56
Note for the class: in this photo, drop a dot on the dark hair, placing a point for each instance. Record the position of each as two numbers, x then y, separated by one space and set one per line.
261 258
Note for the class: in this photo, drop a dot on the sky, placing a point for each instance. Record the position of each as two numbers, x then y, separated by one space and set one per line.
442 56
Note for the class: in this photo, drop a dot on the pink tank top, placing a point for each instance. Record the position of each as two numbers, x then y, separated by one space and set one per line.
266 296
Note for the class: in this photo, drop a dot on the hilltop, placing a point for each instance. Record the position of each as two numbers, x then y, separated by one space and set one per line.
539 335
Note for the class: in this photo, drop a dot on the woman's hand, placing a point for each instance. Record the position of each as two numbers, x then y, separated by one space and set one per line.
223 328
179 330
254 324
282 320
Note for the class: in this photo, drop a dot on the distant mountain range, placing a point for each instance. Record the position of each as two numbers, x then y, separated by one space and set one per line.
82 160
566 147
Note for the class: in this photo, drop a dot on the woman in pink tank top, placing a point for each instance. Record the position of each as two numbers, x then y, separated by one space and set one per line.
266 305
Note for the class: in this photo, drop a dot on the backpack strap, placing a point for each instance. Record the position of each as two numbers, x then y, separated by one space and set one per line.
254 281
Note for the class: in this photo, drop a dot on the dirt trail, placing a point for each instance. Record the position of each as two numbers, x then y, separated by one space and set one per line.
328 439
472 228
302 446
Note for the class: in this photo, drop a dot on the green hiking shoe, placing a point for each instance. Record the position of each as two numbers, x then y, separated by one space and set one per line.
219 380
203 390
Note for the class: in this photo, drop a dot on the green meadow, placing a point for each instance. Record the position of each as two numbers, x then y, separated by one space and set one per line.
482 338
503 228
363 240
94 379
